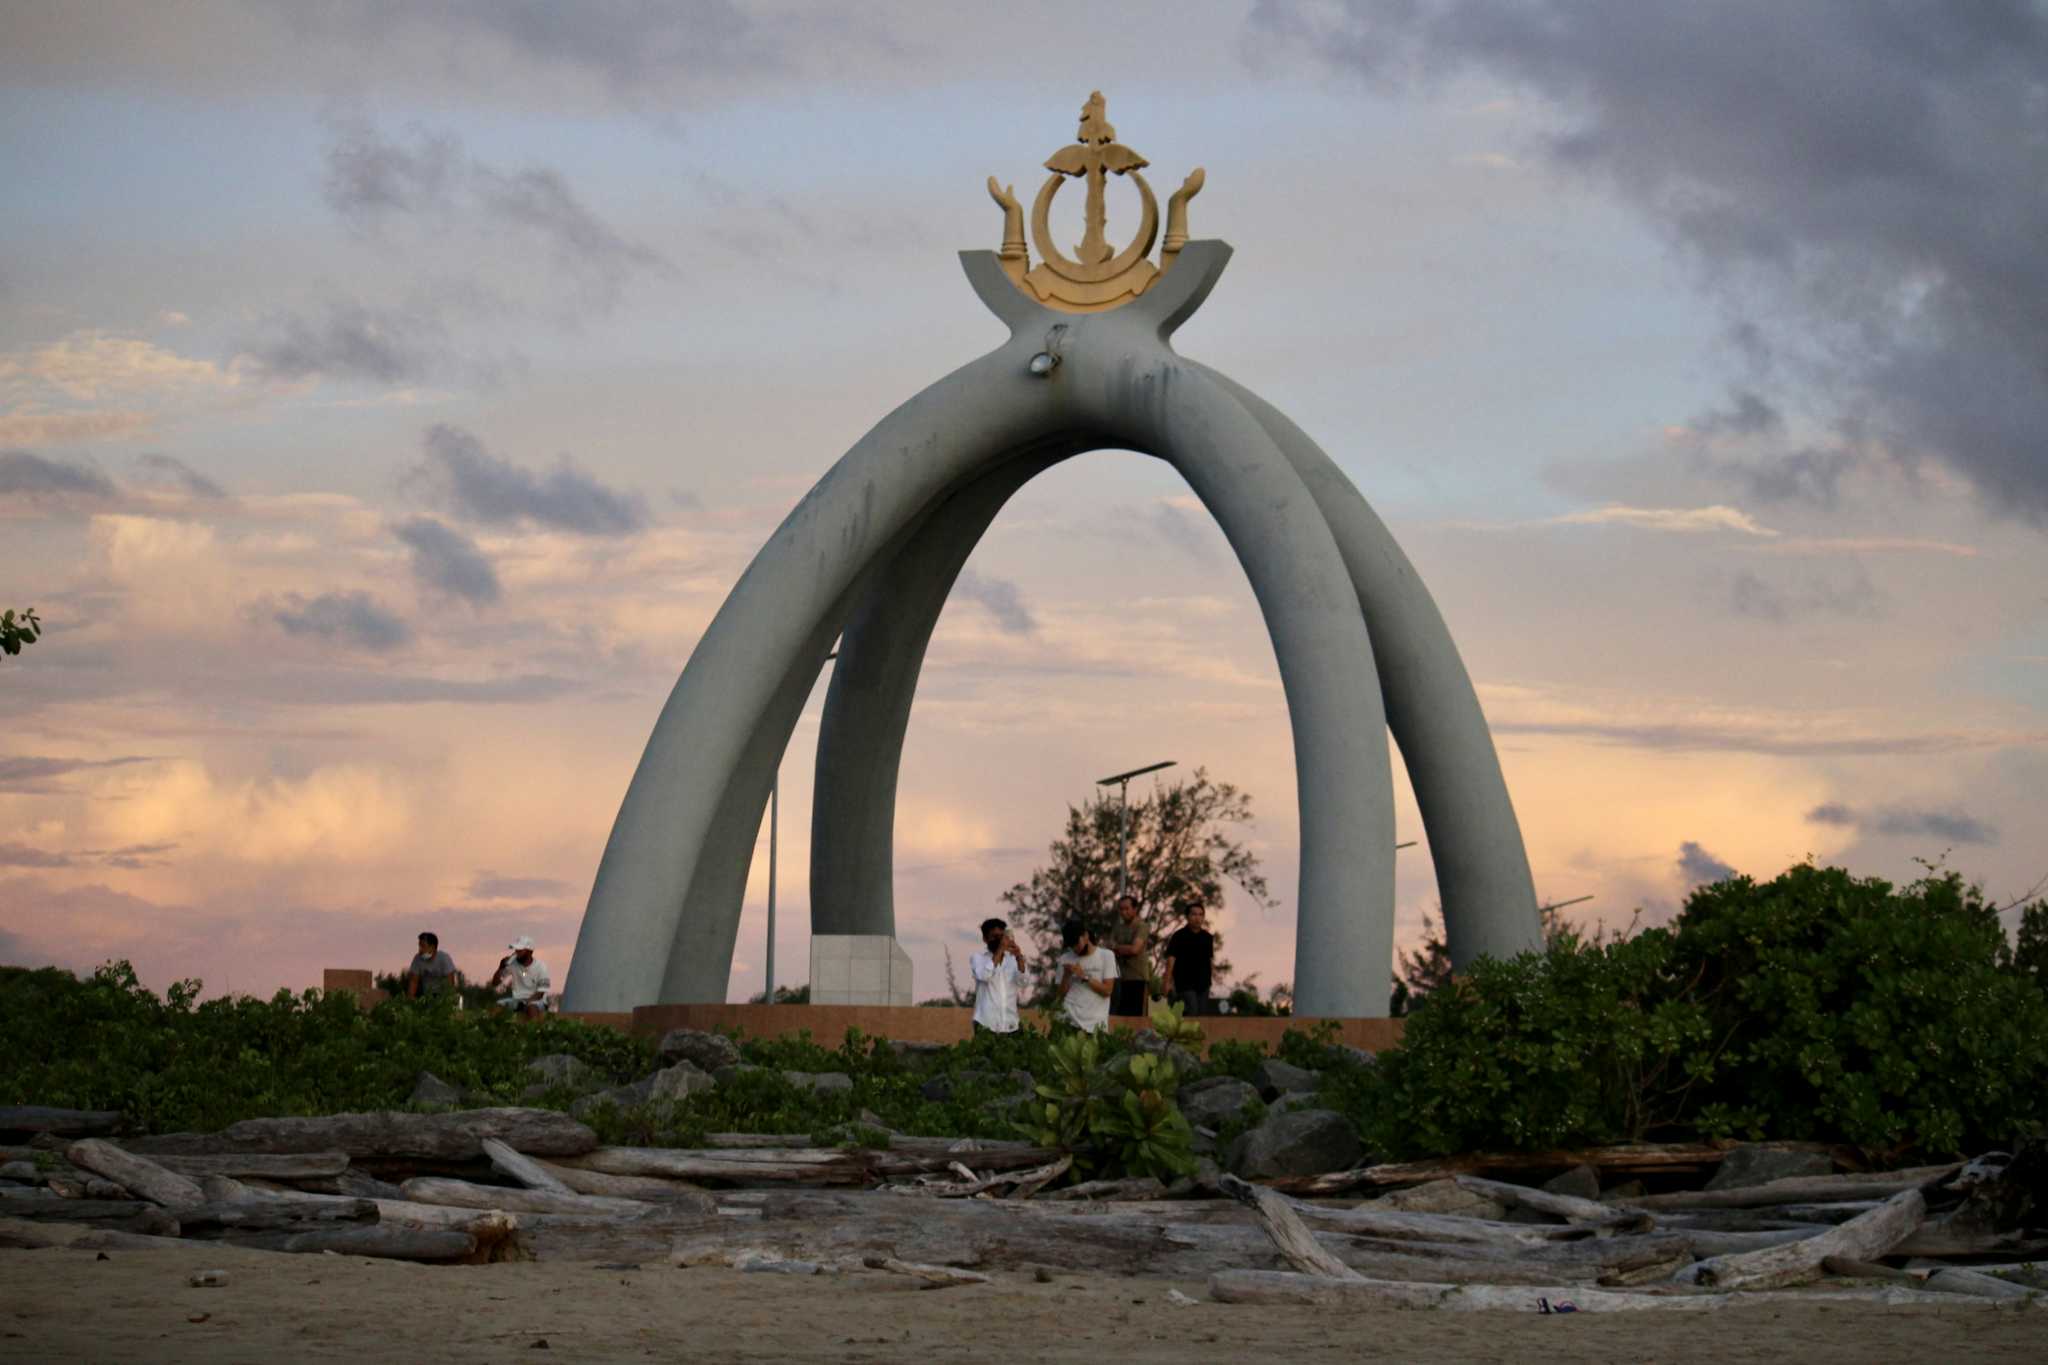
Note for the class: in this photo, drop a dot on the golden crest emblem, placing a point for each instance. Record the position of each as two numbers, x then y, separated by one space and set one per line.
1102 277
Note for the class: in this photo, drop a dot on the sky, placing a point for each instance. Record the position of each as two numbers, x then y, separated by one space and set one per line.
390 394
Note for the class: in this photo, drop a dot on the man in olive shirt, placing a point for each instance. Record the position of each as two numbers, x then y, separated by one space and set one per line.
1131 941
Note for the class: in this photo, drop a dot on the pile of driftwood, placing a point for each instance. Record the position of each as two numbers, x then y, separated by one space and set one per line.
497 1184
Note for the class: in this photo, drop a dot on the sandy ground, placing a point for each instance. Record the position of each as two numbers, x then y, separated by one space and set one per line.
61 1304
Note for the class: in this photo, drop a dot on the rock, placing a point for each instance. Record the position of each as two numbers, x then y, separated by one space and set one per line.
623 1096
1287 1104
1625 1191
1306 1142
734 1071
820 1082
557 1070
1580 1181
1275 1078
678 1082
100 1188
1185 1063
705 1051
1348 1055
1746 1166
1216 1100
1205 1182
431 1092
24 1171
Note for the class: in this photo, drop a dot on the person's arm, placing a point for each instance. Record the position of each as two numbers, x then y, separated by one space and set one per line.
1141 939
981 967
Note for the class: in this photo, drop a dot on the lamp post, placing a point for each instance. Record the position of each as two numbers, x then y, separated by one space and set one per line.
1122 782
774 815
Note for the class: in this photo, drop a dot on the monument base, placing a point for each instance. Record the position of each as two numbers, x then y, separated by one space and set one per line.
859 969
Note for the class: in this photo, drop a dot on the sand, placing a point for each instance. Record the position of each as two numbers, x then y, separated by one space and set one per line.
59 1304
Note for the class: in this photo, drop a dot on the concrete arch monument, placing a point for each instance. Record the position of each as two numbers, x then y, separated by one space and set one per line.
869 555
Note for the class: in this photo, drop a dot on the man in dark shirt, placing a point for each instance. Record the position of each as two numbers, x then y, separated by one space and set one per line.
1189 953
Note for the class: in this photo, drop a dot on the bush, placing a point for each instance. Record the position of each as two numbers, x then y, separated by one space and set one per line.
177 1063
1815 1006
1844 1009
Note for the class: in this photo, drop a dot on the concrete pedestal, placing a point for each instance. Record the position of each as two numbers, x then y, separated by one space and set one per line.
859 969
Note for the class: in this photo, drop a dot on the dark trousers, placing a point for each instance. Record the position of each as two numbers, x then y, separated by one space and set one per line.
1127 997
1192 1003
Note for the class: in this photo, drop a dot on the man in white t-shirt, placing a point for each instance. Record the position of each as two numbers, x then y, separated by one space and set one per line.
1087 974
998 979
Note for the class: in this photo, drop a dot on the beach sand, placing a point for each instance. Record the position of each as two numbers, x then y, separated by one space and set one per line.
60 1304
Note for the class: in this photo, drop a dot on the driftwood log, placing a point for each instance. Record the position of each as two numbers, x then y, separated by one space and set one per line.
1265 1286
1634 1157
1863 1238
456 1136
463 1194
139 1175
1800 1189
1569 1207
649 1187
38 1118
797 1165
269 1215
1290 1235
257 1165
523 1169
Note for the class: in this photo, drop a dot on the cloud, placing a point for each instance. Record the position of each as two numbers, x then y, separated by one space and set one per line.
30 773
1792 739
23 475
35 426
489 886
352 341
1696 866
1682 520
1174 521
130 858
447 561
91 365
353 617
174 473
1906 822
1861 186
469 480
371 180
1001 599
1855 597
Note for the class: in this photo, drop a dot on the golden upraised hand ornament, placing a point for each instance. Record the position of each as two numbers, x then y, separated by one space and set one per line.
1102 277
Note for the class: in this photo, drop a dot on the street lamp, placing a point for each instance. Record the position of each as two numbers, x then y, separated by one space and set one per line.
774 813
1122 782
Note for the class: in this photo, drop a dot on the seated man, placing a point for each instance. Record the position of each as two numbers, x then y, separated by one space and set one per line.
1087 974
431 971
523 978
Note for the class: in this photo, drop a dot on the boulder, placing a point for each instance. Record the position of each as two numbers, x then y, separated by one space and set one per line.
1581 1181
623 1096
1746 1166
1274 1078
557 1070
1625 1191
822 1082
1185 1063
678 1082
1216 1100
705 1051
431 1092
1205 1182
1306 1142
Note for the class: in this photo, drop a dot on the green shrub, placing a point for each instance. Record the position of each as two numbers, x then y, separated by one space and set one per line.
1845 1009
1116 1117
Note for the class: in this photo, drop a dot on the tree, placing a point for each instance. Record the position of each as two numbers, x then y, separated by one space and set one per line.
1180 848
1429 966
16 633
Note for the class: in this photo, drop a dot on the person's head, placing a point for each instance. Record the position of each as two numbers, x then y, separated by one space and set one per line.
522 948
1127 907
1074 936
993 931
430 943
1197 917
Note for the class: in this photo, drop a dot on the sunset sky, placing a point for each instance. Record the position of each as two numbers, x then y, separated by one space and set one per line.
391 393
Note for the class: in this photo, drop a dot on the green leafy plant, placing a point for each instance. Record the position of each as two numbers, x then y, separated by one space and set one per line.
1168 1022
1115 1118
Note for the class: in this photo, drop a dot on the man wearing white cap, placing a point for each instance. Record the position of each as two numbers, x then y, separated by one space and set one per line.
524 979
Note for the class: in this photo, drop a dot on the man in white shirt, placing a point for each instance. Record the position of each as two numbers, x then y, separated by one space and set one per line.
1087 976
523 978
998 979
